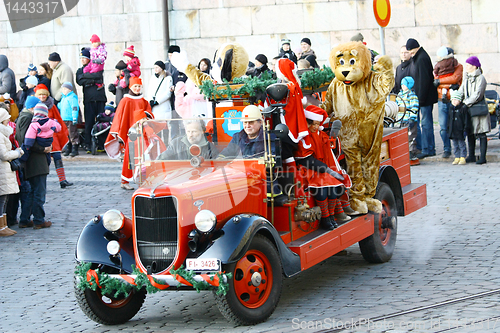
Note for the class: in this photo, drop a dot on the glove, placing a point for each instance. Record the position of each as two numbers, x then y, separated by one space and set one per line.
20 151
454 87
112 88
334 174
436 82
152 103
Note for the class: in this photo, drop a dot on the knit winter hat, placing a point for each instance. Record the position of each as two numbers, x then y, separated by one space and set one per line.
411 44
160 64
41 89
129 52
456 94
121 65
32 80
442 52
67 85
408 82
32 67
85 53
95 39
261 58
4 115
474 61
174 48
41 110
285 41
134 80
31 101
306 40
110 106
54 56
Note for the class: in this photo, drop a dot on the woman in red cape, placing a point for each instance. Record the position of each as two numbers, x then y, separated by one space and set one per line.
131 108
60 138
326 179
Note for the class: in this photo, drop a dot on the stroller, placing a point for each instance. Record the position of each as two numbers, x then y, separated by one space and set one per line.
100 132
493 101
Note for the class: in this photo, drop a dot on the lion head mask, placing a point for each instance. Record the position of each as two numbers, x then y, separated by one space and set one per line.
351 62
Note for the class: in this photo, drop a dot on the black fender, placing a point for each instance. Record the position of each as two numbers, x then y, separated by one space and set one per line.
92 243
388 175
237 235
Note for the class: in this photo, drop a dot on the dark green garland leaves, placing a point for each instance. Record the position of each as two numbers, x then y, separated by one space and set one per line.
316 78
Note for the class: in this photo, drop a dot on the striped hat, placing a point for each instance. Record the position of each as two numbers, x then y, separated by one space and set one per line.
129 52
40 111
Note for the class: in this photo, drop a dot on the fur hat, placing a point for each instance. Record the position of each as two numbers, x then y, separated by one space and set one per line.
67 85
134 80
54 56
121 65
41 89
261 58
456 94
411 44
32 80
95 39
306 40
32 67
129 52
315 113
160 64
474 61
31 101
41 110
174 48
85 53
408 82
4 115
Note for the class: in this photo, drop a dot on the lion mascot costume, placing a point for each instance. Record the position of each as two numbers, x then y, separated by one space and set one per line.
356 96
230 61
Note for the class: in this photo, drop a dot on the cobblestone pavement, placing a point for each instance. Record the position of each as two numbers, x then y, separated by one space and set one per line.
445 251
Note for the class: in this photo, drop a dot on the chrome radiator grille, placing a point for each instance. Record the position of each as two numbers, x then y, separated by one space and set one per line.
156 231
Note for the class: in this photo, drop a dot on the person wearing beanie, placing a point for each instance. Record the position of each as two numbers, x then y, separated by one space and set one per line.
305 45
447 77
8 178
325 178
260 66
133 63
120 86
409 100
132 107
61 73
32 70
30 83
473 88
159 92
286 51
70 112
422 72
94 100
459 122
98 56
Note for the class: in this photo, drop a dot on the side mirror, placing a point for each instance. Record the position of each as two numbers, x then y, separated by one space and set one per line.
277 92
281 131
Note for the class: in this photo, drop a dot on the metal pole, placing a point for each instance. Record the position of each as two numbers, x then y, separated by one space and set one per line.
166 34
382 41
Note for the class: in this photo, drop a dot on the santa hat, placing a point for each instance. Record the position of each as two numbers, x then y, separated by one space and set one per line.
129 52
134 80
95 39
41 89
315 113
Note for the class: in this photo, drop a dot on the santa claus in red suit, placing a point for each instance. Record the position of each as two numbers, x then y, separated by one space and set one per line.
131 108
326 180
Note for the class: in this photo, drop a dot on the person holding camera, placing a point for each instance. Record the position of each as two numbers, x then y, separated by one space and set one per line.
160 91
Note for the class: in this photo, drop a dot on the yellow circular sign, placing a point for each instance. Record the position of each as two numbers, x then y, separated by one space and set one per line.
382 11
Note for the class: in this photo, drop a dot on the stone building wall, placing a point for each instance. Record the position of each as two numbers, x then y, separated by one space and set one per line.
470 27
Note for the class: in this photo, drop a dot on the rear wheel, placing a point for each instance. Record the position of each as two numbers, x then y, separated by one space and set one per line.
255 288
379 247
106 309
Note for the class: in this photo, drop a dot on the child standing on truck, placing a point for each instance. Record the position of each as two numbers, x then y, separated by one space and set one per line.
410 100
459 122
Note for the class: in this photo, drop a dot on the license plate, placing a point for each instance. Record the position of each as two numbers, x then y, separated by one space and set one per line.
203 264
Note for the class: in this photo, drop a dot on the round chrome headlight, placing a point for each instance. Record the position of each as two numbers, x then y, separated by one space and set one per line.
205 220
112 220
113 247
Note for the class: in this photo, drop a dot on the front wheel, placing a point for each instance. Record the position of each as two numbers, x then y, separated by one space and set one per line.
93 146
106 309
255 288
379 247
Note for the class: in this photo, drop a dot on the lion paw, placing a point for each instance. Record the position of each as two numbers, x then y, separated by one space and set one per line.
384 62
374 205
359 206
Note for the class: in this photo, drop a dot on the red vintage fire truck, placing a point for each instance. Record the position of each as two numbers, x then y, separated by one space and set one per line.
206 223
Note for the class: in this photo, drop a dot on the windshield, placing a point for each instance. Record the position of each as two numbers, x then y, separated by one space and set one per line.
204 139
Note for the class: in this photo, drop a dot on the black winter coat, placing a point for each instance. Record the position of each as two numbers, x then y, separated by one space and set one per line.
421 71
458 121
88 82
403 70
